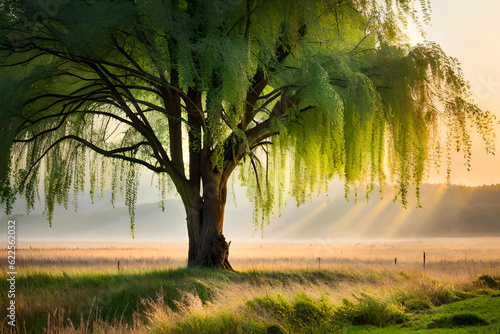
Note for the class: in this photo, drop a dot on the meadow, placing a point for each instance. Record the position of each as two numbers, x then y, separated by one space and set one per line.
308 287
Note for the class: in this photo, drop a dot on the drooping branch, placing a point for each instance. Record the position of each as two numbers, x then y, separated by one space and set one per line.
63 98
107 153
64 117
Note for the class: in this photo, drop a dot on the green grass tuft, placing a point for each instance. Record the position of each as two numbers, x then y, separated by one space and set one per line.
371 311
458 320
489 281
417 304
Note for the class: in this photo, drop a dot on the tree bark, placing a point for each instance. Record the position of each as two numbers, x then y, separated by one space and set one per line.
207 245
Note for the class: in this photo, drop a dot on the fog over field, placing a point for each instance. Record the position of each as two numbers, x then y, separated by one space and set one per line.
447 211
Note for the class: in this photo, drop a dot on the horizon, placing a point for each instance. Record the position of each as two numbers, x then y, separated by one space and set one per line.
326 217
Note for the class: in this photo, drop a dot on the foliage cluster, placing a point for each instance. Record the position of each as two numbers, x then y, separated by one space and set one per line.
306 313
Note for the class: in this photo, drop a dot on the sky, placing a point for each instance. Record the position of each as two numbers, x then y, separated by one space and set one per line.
469 31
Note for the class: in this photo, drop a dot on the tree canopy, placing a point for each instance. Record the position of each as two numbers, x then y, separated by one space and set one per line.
296 93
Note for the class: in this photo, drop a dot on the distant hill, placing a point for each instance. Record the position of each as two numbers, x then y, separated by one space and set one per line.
448 211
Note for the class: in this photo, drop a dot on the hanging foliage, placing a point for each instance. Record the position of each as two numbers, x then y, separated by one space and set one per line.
295 93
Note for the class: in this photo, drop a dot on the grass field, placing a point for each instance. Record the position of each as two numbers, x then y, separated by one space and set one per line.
341 287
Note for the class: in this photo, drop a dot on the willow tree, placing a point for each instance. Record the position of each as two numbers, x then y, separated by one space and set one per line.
294 93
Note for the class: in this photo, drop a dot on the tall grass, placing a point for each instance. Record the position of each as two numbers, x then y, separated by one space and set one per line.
82 291
97 295
207 301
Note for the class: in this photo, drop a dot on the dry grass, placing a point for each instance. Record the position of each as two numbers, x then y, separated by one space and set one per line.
267 269
457 260
229 311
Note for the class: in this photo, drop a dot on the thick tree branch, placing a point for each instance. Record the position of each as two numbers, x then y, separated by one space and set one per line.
195 141
172 103
123 52
260 82
141 127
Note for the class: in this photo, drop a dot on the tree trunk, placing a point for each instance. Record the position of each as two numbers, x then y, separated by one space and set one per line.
207 244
